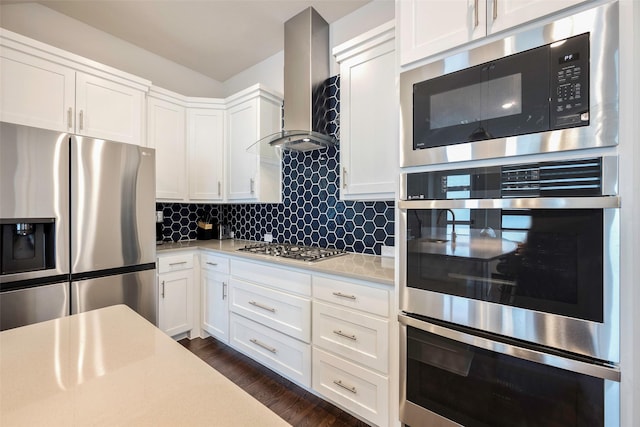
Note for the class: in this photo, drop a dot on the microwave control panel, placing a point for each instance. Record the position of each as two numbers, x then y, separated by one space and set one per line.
569 82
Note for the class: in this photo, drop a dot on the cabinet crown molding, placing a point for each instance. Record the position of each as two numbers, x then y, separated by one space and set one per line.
11 40
372 38
251 92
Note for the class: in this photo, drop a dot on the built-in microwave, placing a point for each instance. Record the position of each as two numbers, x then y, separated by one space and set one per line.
549 88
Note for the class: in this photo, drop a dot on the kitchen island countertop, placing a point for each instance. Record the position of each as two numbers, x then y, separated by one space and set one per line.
112 367
356 266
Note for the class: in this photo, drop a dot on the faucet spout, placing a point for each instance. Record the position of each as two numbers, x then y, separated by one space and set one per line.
443 213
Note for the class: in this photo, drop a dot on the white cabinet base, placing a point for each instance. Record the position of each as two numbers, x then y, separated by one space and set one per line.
285 355
357 389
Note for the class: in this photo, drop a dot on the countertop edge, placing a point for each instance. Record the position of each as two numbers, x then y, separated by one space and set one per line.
329 266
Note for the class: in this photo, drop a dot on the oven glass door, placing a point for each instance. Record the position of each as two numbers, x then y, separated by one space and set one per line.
549 260
474 386
506 97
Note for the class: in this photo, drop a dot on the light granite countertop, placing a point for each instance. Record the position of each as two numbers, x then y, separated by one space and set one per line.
111 367
356 266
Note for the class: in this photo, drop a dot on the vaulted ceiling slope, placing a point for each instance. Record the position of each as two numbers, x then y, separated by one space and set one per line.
218 38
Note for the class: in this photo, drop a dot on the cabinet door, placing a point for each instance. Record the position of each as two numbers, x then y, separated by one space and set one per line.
242 163
108 110
166 134
369 120
35 92
205 137
428 27
215 304
174 311
504 14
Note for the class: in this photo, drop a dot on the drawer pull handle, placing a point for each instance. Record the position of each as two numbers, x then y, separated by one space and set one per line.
177 263
163 289
224 290
341 295
264 307
69 118
263 345
212 263
339 383
342 334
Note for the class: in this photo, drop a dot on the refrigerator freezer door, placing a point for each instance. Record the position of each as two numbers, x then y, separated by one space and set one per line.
34 185
26 306
136 289
112 205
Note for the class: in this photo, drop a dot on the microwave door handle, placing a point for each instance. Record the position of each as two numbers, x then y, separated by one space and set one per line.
604 202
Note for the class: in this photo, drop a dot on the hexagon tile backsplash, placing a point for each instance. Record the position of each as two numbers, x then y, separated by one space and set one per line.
310 213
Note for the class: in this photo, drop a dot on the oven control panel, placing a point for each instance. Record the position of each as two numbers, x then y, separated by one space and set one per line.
565 178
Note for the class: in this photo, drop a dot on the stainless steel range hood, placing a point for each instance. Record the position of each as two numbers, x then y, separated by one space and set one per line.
306 68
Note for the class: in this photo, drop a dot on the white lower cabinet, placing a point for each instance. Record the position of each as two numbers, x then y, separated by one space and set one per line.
353 387
175 302
271 317
351 346
214 276
287 356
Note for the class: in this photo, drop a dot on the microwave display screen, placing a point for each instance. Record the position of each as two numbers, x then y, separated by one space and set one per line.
478 102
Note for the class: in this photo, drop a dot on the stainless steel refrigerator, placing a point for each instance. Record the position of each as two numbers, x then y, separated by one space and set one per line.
77 225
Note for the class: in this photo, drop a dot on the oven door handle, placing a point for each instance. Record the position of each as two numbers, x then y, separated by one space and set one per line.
598 370
602 202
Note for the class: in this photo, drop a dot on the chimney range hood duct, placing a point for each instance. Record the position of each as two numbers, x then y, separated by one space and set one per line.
306 68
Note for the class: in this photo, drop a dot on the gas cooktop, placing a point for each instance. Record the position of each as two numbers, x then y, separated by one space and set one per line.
291 251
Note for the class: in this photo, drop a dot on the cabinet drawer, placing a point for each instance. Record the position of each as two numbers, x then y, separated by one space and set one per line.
283 312
361 338
357 389
175 263
285 355
213 262
347 294
274 277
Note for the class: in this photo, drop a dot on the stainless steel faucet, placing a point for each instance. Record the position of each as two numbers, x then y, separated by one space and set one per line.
453 222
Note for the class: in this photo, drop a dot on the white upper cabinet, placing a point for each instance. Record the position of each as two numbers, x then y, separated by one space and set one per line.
205 136
166 133
505 14
49 88
253 171
108 110
368 115
428 27
36 92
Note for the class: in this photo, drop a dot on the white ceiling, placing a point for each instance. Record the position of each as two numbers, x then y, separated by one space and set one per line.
218 38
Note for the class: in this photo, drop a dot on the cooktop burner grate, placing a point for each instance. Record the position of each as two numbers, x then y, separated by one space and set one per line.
291 251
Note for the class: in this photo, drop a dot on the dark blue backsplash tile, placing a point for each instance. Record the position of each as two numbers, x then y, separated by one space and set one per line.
311 212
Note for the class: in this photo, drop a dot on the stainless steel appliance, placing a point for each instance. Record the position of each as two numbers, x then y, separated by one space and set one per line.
95 201
456 377
291 251
546 89
505 268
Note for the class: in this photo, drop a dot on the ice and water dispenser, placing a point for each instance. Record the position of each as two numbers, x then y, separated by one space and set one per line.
27 245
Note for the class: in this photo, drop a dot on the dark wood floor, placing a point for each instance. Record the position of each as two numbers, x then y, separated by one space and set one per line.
293 404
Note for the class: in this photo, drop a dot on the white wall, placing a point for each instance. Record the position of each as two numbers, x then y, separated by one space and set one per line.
270 72
48 26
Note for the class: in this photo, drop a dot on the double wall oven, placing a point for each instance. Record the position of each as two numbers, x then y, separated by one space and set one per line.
509 271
